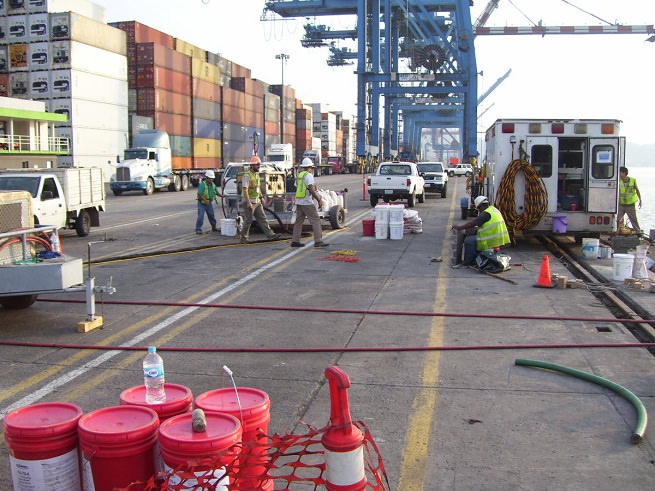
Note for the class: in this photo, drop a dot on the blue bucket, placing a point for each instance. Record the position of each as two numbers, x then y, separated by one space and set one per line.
559 224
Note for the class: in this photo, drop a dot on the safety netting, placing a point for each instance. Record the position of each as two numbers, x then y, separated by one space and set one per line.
279 461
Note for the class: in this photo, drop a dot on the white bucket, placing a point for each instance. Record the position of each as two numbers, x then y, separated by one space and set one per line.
622 266
396 214
396 231
590 248
228 227
382 213
381 230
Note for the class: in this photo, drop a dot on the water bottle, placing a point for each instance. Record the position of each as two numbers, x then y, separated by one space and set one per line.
153 376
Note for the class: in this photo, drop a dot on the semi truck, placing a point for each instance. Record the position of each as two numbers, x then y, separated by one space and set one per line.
147 167
281 155
557 171
69 198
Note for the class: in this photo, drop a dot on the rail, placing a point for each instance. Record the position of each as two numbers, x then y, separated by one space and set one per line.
25 143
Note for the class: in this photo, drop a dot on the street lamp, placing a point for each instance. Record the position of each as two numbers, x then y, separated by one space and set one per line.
283 58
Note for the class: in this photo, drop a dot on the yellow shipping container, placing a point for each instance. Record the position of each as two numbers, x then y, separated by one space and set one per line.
206 147
189 49
205 71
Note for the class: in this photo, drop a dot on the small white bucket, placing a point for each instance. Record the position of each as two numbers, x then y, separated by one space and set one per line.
396 214
396 231
622 266
381 230
590 248
228 227
382 213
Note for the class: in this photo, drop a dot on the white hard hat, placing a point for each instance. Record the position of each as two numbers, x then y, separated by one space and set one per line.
307 162
479 200
210 174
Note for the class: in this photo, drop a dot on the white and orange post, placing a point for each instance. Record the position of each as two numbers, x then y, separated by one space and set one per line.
343 441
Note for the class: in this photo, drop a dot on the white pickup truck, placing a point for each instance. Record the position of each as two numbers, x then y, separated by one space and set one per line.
396 180
65 197
436 178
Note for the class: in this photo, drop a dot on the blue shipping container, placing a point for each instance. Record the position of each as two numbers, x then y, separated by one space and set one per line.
204 128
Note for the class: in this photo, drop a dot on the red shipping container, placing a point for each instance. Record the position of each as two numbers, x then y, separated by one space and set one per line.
4 85
206 162
160 100
160 77
156 54
202 89
173 124
141 33
234 98
271 128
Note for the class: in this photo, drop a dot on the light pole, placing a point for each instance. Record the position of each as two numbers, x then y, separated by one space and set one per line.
283 58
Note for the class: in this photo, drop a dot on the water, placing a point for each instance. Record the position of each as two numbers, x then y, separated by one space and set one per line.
153 375
645 176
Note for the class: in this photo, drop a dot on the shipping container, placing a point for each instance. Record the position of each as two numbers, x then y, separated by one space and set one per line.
89 86
201 89
87 8
70 26
158 55
18 57
17 29
240 71
36 6
173 124
79 56
131 100
204 71
248 85
138 123
3 30
163 78
91 114
159 100
206 147
234 132
180 146
4 59
39 88
39 56
206 109
236 150
207 162
189 49
38 27
4 85
141 33
181 162
272 115
92 141
19 84
271 128
203 128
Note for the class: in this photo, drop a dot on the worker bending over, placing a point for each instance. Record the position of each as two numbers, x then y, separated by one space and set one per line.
491 231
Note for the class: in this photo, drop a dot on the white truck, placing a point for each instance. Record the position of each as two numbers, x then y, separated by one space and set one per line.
69 198
435 177
281 155
396 180
147 167
460 170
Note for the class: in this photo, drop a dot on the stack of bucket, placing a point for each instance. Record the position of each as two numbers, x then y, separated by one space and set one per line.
116 446
396 222
382 221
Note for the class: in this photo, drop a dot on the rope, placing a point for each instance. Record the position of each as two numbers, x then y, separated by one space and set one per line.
535 202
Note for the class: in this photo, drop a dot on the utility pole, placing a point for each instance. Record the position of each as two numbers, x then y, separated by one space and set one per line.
283 58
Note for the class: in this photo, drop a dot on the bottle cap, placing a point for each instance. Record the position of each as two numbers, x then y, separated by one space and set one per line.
152 349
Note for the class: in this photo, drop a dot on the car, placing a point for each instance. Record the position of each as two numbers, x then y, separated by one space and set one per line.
436 178
461 170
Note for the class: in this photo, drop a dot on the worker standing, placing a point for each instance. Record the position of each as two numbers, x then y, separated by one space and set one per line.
305 208
628 196
253 207
492 231
207 193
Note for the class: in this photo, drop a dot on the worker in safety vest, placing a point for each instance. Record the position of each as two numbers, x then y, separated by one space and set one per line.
207 193
305 207
491 233
628 196
252 203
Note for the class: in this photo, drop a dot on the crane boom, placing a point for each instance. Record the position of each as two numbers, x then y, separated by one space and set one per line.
543 30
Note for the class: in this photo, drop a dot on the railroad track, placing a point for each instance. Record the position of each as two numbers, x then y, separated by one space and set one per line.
620 303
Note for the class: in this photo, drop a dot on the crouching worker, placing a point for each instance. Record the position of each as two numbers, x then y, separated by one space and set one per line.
491 231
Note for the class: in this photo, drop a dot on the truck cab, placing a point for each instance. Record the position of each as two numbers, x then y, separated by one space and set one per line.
281 155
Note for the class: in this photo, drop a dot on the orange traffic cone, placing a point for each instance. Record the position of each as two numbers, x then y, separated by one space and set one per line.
545 280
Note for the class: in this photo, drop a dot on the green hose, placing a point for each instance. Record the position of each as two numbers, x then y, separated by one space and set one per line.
642 416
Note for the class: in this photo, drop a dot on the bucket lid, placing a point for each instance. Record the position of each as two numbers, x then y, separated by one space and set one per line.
253 401
223 431
42 420
178 398
118 424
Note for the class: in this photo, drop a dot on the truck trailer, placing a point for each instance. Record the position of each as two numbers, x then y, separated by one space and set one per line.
554 175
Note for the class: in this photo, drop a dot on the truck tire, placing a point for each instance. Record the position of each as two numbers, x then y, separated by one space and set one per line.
411 200
451 173
468 174
150 187
374 199
176 185
444 191
421 197
18 302
185 182
83 223
337 217
117 192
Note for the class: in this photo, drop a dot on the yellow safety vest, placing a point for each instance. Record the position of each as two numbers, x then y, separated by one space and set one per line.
628 191
301 185
494 232
253 185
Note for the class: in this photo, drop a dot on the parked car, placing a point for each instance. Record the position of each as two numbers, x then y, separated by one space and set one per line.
436 178
461 170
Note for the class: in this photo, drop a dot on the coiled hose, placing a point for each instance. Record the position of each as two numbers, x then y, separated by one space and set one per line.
535 203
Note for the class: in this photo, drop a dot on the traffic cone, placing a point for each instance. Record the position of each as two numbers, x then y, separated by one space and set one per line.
545 280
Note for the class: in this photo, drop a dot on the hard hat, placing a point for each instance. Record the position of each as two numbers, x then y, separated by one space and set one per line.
307 162
210 174
479 200
255 160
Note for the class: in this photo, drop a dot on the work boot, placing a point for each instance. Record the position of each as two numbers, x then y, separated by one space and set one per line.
245 240
321 244
297 244
274 237
215 229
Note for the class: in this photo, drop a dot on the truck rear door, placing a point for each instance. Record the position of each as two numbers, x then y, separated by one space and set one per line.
605 157
542 153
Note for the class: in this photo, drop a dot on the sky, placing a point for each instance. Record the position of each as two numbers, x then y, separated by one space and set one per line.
557 76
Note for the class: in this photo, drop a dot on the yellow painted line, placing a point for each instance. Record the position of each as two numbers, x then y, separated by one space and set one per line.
417 439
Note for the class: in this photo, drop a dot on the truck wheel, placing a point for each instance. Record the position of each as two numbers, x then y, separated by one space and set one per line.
176 185
468 174
451 173
337 217
185 182
421 197
117 192
374 199
150 187
411 200
83 223
17 302
444 191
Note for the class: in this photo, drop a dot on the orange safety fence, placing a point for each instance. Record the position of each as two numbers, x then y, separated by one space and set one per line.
287 461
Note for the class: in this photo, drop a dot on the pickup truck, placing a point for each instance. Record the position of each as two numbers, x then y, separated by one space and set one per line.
66 198
436 178
396 180
460 170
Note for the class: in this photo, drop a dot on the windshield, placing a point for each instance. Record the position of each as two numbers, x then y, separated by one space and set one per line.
276 158
136 153
430 168
20 183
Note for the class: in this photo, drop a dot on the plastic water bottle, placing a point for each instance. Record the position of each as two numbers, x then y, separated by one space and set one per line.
153 377
55 246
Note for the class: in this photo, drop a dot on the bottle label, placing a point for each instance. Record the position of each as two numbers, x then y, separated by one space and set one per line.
153 372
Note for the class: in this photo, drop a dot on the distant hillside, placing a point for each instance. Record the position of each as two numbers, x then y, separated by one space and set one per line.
640 155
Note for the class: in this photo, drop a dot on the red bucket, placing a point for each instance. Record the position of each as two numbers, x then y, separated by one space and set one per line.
254 414
117 447
179 399
368 227
181 447
42 443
